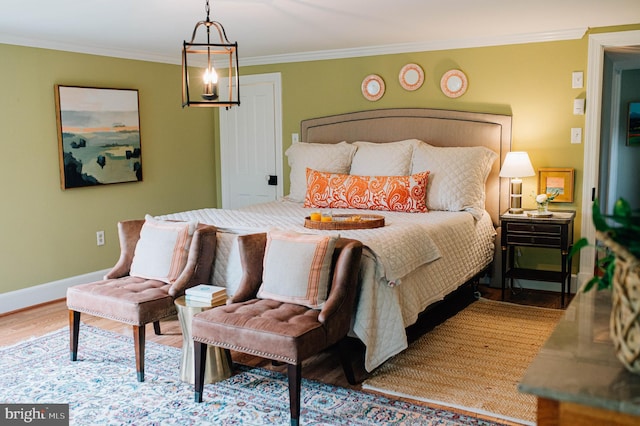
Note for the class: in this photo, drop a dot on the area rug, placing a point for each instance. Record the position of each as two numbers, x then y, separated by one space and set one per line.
101 389
472 361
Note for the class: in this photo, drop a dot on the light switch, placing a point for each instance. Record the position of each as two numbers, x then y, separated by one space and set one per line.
576 135
578 106
295 138
577 80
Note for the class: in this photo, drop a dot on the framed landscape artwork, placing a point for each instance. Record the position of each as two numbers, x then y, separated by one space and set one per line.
98 136
556 179
633 132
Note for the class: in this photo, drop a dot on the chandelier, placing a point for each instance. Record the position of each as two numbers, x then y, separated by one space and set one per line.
201 88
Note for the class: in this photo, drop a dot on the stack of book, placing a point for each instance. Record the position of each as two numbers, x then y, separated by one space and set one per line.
208 294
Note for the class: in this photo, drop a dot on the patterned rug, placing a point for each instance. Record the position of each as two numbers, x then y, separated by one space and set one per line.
101 389
472 361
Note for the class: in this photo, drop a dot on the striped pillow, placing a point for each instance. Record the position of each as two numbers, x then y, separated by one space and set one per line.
162 250
297 268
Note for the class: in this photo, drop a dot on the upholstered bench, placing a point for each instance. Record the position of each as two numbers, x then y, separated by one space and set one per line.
158 262
269 318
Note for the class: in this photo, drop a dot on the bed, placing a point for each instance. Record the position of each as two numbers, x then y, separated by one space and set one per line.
417 258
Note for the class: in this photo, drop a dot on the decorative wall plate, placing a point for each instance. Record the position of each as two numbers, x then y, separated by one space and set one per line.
454 83
373 87
411 77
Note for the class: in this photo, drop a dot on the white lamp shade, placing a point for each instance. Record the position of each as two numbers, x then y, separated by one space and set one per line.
517 165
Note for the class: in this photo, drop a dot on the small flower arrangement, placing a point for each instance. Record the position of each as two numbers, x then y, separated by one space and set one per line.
542 200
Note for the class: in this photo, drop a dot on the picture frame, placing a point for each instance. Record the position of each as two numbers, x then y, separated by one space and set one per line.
98 136
633 124
560 179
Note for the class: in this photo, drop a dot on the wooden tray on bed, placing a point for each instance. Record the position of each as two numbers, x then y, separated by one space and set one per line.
347 221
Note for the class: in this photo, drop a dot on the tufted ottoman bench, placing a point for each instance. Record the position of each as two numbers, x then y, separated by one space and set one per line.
139 300
276 329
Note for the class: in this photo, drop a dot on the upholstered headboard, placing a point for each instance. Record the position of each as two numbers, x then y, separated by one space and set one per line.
434 126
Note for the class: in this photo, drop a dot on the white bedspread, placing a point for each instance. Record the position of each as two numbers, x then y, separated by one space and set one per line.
399 246
398 253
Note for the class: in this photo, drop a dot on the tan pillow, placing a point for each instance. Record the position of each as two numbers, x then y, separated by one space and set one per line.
297 268
327 157
458 176
162 250
382 159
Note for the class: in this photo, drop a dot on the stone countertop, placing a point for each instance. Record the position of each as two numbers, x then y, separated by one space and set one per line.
578 363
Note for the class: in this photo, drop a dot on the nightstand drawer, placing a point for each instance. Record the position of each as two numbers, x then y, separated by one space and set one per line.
526 239
534 228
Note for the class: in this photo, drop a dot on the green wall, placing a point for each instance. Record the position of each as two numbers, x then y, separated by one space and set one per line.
532 82
48 233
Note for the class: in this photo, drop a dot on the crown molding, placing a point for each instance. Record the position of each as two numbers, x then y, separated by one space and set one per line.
570 34
90 50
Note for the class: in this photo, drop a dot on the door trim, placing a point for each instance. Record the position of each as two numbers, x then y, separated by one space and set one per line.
595 71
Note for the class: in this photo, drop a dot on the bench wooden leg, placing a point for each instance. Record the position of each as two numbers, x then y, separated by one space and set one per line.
138 340
74 331
294 374
347 367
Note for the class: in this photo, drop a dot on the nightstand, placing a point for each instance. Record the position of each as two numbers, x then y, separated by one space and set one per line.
555 232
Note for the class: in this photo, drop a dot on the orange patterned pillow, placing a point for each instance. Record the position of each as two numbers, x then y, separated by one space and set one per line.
394 193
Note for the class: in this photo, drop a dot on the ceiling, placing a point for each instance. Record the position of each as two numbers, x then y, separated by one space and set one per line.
270 31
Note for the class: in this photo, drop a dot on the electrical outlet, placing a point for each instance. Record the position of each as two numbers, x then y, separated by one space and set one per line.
100 238
295 138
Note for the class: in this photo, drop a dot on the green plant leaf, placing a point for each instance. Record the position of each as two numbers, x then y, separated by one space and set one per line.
579 245
623 227
598 219
622 208
590 284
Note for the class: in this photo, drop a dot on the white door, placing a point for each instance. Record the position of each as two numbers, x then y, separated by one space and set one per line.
251 143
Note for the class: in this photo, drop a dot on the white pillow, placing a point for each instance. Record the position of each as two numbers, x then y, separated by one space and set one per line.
457 178
383 159
326 157
297 268
227 268
162 250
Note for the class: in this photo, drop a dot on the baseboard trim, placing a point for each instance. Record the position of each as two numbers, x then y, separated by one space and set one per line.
43 293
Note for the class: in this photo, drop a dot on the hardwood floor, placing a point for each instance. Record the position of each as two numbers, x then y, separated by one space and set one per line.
39 320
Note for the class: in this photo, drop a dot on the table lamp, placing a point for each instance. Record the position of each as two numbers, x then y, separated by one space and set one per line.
516 166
